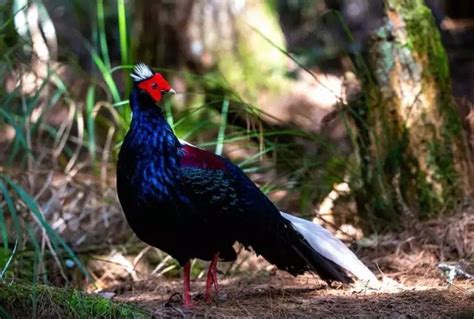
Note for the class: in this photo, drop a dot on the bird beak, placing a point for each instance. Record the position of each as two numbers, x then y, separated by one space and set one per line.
170 91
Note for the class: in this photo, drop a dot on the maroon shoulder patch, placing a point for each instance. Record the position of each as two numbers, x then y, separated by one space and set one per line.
199 158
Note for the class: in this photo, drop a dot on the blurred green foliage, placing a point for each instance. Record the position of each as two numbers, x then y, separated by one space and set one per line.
96 115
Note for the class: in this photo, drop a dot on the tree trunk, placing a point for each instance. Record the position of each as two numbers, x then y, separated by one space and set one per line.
413 154
213 35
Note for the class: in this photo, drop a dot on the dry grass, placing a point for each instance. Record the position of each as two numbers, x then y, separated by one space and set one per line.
420 249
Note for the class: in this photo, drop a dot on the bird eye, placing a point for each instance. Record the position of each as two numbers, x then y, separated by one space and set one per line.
154 86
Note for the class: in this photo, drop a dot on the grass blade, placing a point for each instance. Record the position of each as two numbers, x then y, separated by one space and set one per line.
90 101
102 35
36 263
122 20
4 313
221 134
38 256
169 113
3 229
56 240
9 261
104 70
11 207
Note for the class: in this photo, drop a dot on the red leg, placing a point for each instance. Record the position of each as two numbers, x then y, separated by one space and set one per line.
214 272
212 277
187 285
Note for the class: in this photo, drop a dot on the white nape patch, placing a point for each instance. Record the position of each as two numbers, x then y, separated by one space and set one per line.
183 142
141 72
332 248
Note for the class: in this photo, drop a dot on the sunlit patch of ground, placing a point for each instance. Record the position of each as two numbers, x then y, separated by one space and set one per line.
281 295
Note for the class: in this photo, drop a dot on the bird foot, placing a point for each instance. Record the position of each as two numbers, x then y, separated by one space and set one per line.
212 279
187 303
210 282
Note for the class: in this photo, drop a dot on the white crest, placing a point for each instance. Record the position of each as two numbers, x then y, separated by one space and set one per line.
141 72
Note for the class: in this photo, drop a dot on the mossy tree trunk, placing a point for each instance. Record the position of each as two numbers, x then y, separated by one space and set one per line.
413 156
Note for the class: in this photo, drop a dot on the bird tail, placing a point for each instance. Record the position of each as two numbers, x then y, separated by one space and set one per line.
329 257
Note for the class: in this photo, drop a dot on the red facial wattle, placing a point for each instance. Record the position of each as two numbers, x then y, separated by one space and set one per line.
155 86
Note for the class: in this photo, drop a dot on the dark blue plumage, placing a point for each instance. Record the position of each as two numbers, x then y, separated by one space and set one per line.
192 208
194 204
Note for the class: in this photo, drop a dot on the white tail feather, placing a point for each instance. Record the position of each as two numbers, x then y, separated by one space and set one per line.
332 248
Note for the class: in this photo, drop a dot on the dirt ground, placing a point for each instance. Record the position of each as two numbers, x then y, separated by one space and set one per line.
406 262
277 294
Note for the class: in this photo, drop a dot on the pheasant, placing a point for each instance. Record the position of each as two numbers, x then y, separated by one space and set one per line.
192 203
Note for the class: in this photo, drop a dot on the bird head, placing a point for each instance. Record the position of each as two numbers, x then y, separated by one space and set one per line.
149 82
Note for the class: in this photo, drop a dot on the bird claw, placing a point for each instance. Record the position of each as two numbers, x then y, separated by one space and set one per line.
210 282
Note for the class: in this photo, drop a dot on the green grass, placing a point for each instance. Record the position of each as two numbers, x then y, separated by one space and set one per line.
28 218
40 301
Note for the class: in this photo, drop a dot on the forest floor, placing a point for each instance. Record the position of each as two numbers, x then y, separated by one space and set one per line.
277 294
406 262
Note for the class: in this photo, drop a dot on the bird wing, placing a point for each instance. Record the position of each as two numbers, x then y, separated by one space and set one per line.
207 182
223 195
207 173
210 189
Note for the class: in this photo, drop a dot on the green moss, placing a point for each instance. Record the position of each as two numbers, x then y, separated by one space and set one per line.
427 199
424 38
385 48
427 41
50 302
